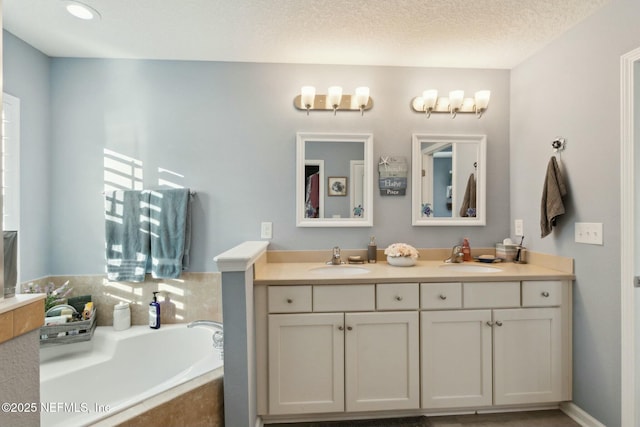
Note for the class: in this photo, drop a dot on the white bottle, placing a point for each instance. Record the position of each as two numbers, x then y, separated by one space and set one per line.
121 316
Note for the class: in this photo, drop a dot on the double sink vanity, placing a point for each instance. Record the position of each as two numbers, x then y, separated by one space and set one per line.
340 341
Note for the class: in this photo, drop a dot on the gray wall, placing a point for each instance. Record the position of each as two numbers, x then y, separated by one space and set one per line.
229 130
26 76
571 89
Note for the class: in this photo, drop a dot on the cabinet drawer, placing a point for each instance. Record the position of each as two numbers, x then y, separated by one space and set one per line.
289 299
491 294
344 298
397 296
541 294
434 296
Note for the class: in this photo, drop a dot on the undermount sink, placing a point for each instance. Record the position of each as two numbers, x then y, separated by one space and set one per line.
339 270
471 268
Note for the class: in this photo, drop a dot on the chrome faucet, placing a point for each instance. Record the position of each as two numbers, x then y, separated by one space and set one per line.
335 257
456 254
218 335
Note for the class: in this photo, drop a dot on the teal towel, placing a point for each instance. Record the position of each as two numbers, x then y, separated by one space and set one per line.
127 234
170 232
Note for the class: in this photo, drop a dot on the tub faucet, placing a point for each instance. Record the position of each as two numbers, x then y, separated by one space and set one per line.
335 257
456 254
218 335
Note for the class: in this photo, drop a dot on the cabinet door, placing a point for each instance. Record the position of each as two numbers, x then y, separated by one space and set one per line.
456 358
382 361
527 356
306 363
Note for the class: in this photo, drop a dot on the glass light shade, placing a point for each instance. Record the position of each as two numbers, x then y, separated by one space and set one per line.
307 96
429 98
335 95
362 96
456 97
482 99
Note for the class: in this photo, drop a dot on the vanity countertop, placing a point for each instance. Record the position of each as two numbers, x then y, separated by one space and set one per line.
290 273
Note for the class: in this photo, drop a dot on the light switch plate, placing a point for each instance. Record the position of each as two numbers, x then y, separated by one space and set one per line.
518 226
589 233
266 230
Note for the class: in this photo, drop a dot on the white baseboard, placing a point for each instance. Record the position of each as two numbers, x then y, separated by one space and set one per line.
579 415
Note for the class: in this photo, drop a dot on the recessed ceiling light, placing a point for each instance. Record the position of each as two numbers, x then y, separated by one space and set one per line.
81 10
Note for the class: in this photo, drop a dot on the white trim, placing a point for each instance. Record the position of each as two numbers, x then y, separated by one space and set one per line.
579 415
627 232
241 257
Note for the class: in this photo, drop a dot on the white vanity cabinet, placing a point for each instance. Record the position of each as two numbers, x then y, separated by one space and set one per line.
422 347
332 359
508 343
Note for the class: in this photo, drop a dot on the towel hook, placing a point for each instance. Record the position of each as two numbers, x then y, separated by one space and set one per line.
558 144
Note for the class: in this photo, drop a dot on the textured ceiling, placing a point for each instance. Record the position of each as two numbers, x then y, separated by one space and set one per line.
425 33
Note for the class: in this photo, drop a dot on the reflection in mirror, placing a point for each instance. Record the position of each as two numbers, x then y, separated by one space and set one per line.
334 183
448 179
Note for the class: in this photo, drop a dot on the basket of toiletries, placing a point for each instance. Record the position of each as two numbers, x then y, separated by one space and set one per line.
64 324
506 252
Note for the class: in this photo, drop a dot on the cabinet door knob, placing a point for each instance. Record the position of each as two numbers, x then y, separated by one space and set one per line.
489 323
443 297
545 294
499 323
398 298
341 328
289 300
349 328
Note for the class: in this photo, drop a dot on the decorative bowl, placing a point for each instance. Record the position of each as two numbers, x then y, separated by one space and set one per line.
401 261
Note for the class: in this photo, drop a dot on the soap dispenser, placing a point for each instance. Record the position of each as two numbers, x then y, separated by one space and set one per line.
466 250
372 250
154 312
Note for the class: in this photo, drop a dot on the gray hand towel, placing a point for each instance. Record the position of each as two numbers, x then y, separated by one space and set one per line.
552 193
127 234
170 232
468 207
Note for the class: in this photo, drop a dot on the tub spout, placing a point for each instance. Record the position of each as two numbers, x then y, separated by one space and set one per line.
209 323
218 335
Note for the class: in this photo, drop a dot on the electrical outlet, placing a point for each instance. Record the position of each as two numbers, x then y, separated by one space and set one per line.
518 225
589 233
266 230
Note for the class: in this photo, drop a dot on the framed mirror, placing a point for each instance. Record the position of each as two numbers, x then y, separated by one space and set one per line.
448 180
334 179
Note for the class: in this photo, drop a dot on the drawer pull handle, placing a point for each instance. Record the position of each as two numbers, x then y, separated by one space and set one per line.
289 301
398 298
499 323
341 328
349 328
443 297
489 323
545 294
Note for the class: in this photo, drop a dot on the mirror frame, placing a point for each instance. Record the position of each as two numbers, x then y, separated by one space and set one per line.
416 175
367 140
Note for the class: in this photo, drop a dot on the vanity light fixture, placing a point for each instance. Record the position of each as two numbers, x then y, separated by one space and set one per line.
307 96
362 98
335 100
456 103
81 10
334 97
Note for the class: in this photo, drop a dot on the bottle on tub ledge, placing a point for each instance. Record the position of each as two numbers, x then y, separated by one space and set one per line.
154 312
466 250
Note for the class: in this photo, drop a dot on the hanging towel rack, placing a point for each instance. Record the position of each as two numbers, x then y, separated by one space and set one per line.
191 193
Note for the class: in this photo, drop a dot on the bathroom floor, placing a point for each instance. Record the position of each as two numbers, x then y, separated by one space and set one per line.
551 418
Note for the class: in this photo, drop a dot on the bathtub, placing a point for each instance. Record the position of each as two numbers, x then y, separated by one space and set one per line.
120 372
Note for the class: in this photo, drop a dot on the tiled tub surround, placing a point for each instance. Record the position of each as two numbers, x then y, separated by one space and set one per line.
194 296
433 304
